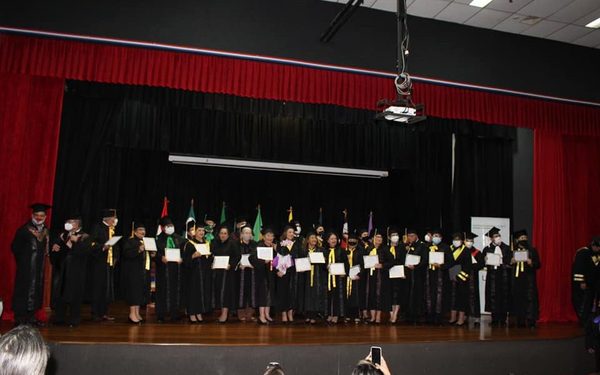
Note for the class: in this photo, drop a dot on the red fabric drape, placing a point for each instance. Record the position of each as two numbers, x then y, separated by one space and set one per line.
566 203
30 110
265 80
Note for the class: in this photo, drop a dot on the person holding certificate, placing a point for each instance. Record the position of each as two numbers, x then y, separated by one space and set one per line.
286 284
224 289
477 264
437 258
460 272
197 259
313 287
337 265
497 285
168 273
245 276
415 277
135 272
378 282
264 275
103 259
397 284
525 263
355 288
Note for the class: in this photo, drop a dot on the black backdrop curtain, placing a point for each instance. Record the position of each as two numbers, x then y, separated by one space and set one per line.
115 141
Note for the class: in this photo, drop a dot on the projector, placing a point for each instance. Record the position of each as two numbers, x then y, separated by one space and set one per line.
401 111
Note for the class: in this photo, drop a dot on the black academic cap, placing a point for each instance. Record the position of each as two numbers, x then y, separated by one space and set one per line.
165 220
436 231
74 216
138 224
492 232
266 230
595 241
427 229
379 231
311 233
353 235
393 230
458 235
411 231
470 236
520 233
190 224
40 207
108 212
362 230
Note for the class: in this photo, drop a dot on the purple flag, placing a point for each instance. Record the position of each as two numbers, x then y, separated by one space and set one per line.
370 228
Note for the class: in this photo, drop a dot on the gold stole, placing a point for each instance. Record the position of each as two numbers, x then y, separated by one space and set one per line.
457 252
109 257
349 282
147 265
520 268
373 252
330 277
312 270
393 251
432 249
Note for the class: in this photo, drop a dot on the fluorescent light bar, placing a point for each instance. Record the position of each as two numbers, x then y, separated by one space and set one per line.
480 3
594 24
274 167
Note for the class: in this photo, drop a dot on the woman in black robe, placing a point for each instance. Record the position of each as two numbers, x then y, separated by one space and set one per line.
135 272
314 284
336 284
397 285
355 285
437 280
378 281
477 264
460 272
224 288
264 277
286 282
525 304
246 276
198 268
497 284
170 295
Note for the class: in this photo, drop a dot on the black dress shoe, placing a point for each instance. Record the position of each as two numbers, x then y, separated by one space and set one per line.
133 321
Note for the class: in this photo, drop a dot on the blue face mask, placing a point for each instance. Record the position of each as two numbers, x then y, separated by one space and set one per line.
436 240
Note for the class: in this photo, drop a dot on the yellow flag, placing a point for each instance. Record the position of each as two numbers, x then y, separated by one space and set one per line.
290 215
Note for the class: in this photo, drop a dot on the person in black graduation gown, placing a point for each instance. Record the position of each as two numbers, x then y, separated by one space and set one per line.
586 289
286 282
224 289
169 288
436 280
135 272
200 276
525 302
356 292
415 277
336 284
397 285
477 264
69 255
378 292
460 272
246 277
29 247
364 243
314 284
497 285
102 263
264 277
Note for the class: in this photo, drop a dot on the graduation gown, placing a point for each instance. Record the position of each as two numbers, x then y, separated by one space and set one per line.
525 303
336 284
224 286
356 289
287 296
415 279
246 278
102 266
586 270
378 294
436 283
263 278
462 261
398 287
169 279
29 248
497 284
135 273
474 307
199 288
313 285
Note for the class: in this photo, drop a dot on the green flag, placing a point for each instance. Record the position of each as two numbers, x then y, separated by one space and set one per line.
223 216
191 214
257 225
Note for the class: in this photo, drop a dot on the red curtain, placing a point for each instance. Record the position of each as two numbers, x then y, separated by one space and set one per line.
566 204
30 110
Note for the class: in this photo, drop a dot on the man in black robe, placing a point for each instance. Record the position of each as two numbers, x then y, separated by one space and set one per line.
586 288
102 261
69 255
415 278
436 279
497 284
525 303
168 274
29 247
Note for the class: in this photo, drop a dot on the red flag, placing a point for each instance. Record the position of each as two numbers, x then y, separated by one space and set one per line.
165 212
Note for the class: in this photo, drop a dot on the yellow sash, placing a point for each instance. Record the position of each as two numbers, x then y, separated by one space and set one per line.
349 282
312 270
330 277
393 251
432 249
109 257
373 252
147 266
457 252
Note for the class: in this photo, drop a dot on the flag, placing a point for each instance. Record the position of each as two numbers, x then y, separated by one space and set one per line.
257 225
290 215
223 216
191 217
370 228
345 226
164 212
320 216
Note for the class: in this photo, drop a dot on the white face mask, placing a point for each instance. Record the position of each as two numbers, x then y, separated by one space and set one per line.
68 227
497 241
436 240
427 238
457 243
246 236
298 229
469 244
38 222
116 222
169 230
395 238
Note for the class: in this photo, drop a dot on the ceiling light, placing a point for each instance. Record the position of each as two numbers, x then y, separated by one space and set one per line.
480 3
594 24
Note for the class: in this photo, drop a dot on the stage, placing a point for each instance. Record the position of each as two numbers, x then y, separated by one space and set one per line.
246 348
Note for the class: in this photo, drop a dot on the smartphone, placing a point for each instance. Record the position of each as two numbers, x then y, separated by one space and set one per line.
376 354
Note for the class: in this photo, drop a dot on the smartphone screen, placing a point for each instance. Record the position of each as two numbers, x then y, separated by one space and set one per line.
376 354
